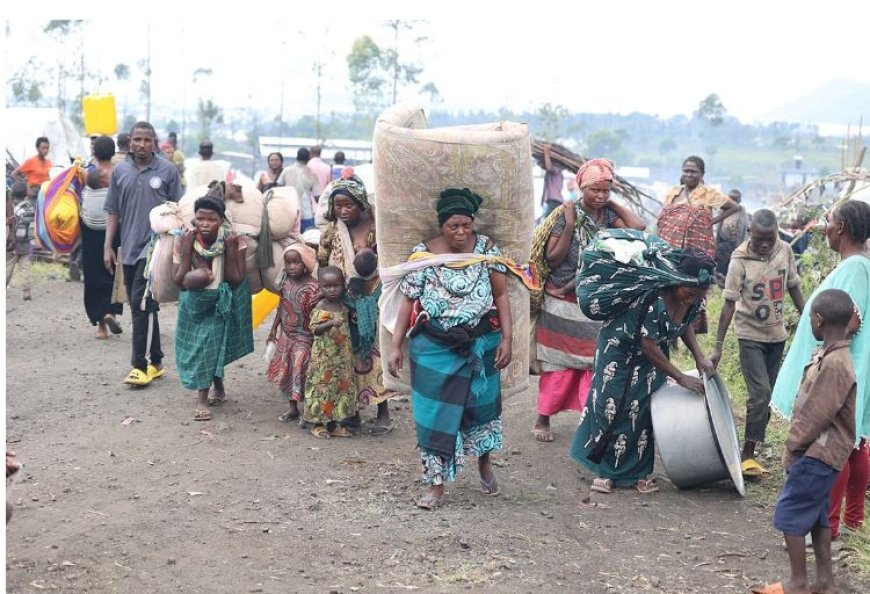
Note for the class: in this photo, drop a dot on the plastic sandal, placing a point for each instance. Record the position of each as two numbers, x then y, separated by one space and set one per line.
320 432
137 377
751 468
489 487
429 502
201 415
112 323
340 431
602 485
646 486
154 373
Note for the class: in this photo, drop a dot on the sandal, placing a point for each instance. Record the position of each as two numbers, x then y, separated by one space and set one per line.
112 323
154 372
646 486
489 487
429 502
289 416
137 377
776 588
200 414
602 485
320 431
214 401
381 430
751 468
340 431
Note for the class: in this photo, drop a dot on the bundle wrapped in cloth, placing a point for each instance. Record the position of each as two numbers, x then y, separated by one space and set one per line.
57 210
622 265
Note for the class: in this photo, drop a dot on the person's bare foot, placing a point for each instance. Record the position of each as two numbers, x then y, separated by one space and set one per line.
822 588
541 429
382 424
218 395
433 499
101 332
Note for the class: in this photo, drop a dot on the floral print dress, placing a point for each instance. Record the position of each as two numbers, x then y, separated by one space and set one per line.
330 393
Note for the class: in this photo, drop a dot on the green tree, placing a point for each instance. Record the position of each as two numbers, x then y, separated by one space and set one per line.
430 89
25 87
667 145
61 31
607 143
400 73
712 110
367 80
549 118
209 113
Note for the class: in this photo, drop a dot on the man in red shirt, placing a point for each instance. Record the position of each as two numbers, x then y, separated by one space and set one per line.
35 169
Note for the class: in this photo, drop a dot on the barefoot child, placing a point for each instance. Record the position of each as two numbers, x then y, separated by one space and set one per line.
761 271
214 305
329 392
299 294
820 439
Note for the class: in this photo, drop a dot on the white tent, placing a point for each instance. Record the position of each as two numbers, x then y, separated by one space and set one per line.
24 125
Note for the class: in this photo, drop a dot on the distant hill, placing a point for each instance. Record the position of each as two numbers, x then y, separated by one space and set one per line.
837 102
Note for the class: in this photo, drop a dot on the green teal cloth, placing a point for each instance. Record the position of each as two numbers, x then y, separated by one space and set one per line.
364 324
622 265
852 275
451 393
213 330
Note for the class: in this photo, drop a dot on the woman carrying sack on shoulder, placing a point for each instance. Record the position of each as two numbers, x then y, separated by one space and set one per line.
565 337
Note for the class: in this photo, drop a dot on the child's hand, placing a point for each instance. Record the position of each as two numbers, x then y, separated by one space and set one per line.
273 336
394 363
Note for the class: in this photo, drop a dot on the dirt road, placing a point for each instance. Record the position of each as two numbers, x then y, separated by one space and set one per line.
247 504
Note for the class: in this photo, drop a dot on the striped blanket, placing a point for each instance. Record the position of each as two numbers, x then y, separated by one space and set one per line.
213 330
57 211
452 393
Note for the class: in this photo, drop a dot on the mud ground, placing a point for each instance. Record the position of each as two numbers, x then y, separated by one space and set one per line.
245 503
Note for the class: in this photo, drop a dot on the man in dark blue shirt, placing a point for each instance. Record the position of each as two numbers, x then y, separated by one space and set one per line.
139 183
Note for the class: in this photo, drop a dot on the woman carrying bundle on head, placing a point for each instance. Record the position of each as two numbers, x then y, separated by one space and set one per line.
565 337
615 436
214 305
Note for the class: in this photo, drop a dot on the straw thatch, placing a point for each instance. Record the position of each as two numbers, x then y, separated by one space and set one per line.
565 159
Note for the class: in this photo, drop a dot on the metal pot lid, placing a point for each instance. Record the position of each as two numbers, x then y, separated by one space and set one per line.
724 431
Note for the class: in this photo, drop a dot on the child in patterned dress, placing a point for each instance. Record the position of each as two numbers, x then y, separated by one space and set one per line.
330 394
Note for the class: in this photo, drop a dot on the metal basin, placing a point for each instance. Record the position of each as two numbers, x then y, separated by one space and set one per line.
696 436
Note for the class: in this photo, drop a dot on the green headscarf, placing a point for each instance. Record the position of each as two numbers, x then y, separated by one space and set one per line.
455 201
350 185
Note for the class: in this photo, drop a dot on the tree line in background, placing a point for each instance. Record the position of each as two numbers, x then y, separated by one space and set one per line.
737 153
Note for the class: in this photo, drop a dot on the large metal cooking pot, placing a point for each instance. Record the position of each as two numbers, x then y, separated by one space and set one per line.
696 436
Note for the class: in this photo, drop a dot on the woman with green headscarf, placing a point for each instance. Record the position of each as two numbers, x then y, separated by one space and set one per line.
347 243
459 340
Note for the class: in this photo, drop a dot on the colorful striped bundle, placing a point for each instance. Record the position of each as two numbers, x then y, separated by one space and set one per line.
57 211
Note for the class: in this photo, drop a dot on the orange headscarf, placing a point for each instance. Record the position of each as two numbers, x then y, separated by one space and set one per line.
594 171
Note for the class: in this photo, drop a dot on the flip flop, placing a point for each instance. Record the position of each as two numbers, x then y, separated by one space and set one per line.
429 502
380 430
112 323
751 468
320 432
490 487
340 431
289 416
770 589
212 401
201 415
646 486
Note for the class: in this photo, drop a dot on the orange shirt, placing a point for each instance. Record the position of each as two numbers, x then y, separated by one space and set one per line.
701 196
35 170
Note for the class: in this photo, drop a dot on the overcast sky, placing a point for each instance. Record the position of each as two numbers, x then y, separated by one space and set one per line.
660 57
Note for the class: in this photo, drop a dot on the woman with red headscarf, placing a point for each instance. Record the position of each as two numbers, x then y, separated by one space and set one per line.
565 337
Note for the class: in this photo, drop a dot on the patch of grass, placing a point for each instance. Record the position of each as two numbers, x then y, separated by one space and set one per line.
40 272
859 543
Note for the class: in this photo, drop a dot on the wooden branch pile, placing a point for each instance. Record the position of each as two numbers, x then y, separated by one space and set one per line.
11 163
565 159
